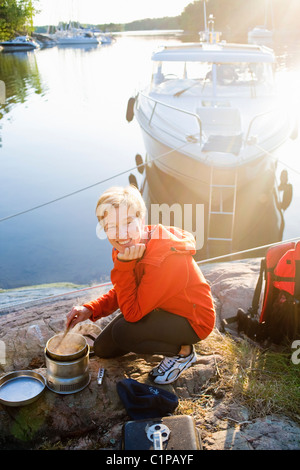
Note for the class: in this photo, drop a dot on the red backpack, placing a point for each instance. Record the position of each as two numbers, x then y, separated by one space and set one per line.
279 318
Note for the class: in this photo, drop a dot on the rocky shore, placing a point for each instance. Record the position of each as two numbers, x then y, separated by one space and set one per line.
94 417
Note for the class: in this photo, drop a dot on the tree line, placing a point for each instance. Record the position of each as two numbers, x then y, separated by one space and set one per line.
242 15
16 16
231 16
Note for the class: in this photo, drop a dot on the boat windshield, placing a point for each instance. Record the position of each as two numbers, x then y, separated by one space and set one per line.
213 76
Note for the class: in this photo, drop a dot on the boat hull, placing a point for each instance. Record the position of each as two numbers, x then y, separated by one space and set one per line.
75 41
250 217
18 47
19 44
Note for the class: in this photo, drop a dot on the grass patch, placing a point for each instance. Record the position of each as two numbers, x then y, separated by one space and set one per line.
265 381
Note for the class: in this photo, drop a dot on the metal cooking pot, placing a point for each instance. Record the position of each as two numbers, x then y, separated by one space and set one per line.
74 339
67 373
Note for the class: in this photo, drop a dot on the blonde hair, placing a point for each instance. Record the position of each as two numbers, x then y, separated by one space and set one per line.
117 196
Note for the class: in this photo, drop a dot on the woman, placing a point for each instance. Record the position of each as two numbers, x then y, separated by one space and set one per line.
166 304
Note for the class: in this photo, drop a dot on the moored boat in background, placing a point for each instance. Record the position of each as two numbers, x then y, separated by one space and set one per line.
19 44
263 34
260 35
73 35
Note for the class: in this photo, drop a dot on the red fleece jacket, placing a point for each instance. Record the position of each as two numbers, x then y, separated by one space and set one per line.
166 277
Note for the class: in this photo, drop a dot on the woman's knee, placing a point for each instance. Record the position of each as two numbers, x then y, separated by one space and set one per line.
122 334
105 346
101 349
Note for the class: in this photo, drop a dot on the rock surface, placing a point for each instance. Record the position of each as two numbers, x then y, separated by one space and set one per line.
93 418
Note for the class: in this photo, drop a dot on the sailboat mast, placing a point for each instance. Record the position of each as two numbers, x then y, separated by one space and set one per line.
204 12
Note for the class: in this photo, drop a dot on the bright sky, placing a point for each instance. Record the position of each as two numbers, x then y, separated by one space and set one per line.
106 11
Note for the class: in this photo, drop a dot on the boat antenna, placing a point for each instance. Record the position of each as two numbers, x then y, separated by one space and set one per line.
209 35
204 35
204 12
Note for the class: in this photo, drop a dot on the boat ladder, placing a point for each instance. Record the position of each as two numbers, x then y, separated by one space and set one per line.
221 208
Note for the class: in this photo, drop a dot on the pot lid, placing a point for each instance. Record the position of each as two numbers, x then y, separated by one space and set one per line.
21 388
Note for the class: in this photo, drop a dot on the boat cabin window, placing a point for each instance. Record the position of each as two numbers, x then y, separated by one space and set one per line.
213 75
163 71
245 74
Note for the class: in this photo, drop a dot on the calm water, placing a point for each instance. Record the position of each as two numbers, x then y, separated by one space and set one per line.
63 128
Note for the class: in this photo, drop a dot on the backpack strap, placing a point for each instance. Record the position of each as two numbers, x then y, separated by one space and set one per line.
257 292
297 273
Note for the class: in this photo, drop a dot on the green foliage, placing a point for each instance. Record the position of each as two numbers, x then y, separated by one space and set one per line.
241 15
153 23
266 381
15 15
192 17
231 17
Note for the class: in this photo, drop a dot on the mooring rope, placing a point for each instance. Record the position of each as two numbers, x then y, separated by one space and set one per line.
277 159
204 261
121 173
91 185
136 167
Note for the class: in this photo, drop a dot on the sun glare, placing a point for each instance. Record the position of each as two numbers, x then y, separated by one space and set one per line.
115 11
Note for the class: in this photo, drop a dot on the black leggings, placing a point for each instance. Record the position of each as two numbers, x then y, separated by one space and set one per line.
158 332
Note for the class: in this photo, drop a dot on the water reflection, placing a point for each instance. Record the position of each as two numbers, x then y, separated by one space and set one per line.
70 136
19 71
83 47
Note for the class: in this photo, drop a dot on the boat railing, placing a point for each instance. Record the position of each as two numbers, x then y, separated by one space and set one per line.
193 138
160 103
254 119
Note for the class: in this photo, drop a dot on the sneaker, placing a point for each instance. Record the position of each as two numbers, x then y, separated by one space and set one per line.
171 368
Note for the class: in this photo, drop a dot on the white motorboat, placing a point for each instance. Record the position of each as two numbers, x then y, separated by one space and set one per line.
260 35
74 36
19 44
211 122
106 38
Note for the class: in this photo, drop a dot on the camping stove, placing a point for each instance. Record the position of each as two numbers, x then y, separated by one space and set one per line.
68 373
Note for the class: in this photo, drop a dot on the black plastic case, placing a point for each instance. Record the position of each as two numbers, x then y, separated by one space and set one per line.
183 434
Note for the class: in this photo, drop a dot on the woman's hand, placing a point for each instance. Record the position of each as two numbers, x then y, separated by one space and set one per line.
132 252
77 314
